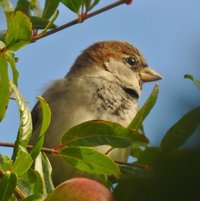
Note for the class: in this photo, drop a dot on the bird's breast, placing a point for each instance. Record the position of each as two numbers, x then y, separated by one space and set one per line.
112 103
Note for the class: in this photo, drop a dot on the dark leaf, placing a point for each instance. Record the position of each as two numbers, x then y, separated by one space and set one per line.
90 4
40 23
50 8
73 5
24 6
178 134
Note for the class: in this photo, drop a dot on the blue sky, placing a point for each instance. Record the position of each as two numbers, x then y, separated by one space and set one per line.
168 34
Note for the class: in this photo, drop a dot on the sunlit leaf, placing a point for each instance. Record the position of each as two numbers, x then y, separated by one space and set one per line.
4 86
2 44
196 82
38 166
7 185
25 129
46 118
47 171
50 8
7 8
11 59
94 133
146 108
5 163
19 31
178 134
89 160
22 162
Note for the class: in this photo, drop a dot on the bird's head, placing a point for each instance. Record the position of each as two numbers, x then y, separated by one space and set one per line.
120 62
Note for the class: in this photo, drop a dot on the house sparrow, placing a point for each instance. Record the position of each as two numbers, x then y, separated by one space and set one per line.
104 83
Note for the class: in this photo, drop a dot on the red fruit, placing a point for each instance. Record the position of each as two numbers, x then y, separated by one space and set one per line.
80 189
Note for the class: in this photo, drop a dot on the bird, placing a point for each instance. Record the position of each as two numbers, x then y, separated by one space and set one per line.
104 83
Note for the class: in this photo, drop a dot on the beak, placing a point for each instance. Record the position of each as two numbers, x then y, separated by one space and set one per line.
148 75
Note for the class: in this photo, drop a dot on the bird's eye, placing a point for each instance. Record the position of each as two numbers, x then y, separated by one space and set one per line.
131 61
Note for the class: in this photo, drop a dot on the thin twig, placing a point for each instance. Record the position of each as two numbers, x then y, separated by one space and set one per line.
46 150
133 164
76 21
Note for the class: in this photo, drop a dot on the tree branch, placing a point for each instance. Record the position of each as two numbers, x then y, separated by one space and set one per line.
78 20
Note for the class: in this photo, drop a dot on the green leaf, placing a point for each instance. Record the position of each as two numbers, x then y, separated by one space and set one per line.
7 8
196 82
5 163
50 24
7 185
41 23
73 5
178 134
89 5
24 6
41 166
89 160
50 8
19 31
149 156
23 162
11 59
136 151
2 44
25 129
47 171
146 108
30 182
4 86
13 198
97 132
35 197
46 119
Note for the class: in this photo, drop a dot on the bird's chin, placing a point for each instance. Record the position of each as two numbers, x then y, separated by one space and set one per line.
131 92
